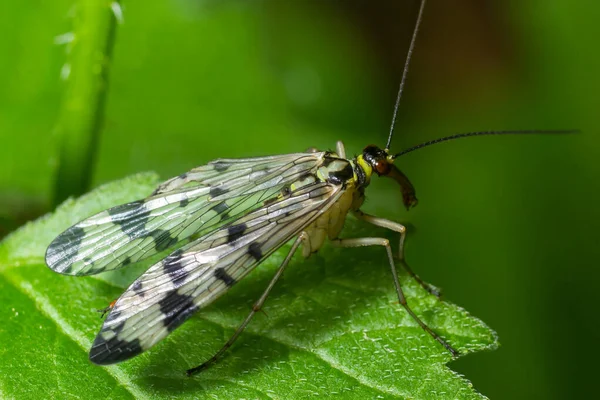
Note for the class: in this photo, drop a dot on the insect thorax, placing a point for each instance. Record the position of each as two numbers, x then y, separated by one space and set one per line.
350 177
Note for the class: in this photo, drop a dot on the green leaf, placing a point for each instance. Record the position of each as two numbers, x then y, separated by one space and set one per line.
332 327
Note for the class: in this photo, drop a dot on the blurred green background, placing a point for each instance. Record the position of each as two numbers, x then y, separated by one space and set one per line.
506 225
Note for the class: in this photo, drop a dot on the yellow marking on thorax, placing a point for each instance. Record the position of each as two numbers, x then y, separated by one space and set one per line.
360 160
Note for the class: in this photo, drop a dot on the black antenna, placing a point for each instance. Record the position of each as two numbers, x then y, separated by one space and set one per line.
462 135
405 72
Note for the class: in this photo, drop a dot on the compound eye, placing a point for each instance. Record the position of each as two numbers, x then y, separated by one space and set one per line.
382 167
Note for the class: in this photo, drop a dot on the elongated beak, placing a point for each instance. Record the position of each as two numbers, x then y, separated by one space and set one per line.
409 197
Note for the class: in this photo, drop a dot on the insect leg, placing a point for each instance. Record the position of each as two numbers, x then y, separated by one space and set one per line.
255 308
106 309
360 242
340 149
401 229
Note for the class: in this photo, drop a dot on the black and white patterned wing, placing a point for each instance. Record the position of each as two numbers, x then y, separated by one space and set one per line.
197 274
193 203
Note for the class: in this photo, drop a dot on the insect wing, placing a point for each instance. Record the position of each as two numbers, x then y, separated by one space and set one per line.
193 203
198 273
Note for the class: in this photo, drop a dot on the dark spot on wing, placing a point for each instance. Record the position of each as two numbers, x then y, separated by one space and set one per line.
105 352
216 191
221 166
131 217
221 274
114 314
176 308
63 249
138 287
69 239
235 232
174 267
184 202
222 209
126 261
183 176
162 239
254 251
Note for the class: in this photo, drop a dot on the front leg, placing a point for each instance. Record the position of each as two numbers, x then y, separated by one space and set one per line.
401 229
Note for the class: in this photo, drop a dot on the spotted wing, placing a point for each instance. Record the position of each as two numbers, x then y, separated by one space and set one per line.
195 275
193 203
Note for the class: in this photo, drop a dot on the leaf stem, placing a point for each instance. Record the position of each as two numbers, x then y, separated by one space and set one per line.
82 112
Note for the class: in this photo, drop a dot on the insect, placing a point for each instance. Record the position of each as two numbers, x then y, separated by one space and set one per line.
235 213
